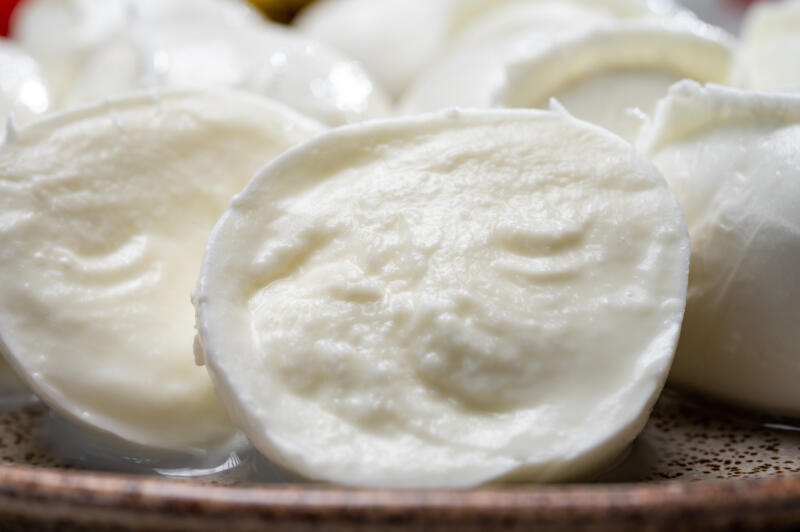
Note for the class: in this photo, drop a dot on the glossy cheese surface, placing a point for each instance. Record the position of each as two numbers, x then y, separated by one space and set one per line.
733 160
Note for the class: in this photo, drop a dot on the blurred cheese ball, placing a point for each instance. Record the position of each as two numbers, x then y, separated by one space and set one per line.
612 75
60 33
770 52
398 39
23 89
154 47
733 159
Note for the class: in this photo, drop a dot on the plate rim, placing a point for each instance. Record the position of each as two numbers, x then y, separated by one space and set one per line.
31 494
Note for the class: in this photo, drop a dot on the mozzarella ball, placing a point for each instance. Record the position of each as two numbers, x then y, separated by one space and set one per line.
104 214
733 160
446 300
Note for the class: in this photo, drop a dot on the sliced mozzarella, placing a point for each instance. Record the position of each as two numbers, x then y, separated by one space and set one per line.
612 76
446 300
268 60
733 159
770 52
398 39
23 90
104 213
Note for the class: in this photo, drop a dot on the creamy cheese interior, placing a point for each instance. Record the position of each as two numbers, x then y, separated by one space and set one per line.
733 160
104 214
446 300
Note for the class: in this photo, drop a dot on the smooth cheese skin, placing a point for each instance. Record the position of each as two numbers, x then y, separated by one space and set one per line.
397 40
155 48
62 33
23 95
770 49
733 160
23 89
268 60
446 300
104 213
609 75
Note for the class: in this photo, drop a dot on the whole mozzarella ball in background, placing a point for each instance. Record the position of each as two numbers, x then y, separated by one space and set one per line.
105 213
60 33
733 160
770 51
398 39
23 88
154 47
611 75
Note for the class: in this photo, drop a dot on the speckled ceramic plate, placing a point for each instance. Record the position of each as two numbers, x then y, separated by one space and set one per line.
694 467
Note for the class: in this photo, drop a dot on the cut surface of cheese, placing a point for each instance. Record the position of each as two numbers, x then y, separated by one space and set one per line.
446 300
733 160
104 214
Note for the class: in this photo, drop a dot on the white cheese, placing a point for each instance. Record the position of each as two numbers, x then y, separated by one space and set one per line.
398 39
61 33
446 300
153 47
770 53
611 75
733 160
23 90
104 213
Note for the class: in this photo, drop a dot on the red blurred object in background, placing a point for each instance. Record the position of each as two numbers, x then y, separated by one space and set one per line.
6 7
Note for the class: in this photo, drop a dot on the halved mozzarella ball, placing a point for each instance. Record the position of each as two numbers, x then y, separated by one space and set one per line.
733 160
446 300
104 214
612 76
23 89
398 39
770 53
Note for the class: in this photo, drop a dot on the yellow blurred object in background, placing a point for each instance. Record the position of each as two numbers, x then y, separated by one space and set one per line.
280 10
